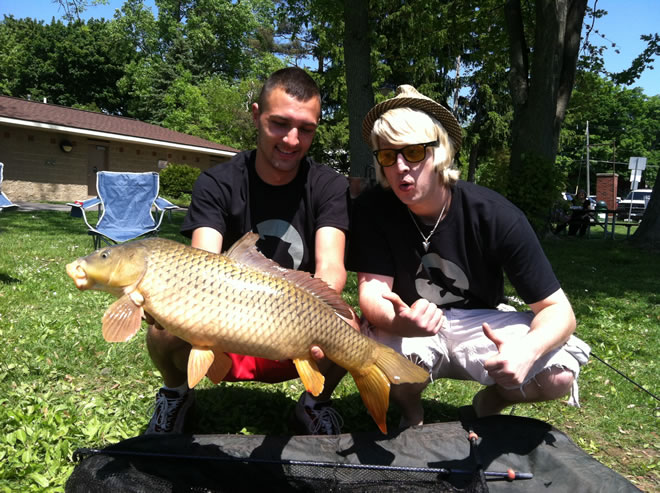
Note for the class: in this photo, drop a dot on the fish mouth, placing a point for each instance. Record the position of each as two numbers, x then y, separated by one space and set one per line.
76 271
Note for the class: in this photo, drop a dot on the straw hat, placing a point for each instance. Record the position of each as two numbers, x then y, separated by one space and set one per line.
408 97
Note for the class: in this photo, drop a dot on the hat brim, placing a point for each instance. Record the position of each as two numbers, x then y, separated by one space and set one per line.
436 110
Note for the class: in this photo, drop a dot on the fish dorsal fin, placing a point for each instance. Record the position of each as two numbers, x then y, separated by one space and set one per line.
245 252
318 287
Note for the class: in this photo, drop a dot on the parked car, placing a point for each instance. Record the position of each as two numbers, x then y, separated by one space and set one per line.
592 199
634 204
561 212
569 196
592 202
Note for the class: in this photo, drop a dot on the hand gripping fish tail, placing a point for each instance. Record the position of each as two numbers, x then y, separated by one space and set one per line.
239 302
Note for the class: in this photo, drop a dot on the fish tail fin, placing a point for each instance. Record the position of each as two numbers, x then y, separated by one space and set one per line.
199 362
373 381
311 377
374 387
398 368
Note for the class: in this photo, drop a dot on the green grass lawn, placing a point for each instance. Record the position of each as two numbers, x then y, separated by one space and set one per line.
63 387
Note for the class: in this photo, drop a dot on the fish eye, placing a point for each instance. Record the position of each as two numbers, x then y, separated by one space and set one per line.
105 254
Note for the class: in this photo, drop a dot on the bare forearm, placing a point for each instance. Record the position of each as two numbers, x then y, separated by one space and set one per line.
552 325
208 239
334 275
330 244
379 312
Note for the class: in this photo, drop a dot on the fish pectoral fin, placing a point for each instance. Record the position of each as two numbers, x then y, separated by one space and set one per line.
374 387
121 320
311 377
199 362
137 298
220 367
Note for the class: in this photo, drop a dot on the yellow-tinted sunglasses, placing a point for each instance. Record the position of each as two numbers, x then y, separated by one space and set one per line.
413 153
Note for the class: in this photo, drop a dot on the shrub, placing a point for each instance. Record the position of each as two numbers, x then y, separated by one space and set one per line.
178 179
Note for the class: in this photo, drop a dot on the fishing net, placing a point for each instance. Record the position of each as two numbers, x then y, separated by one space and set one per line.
431 458
231 476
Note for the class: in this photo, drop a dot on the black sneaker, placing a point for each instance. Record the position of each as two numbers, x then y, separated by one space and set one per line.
320 419
171 411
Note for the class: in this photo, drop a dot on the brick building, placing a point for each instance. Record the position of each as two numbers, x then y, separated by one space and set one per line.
52 152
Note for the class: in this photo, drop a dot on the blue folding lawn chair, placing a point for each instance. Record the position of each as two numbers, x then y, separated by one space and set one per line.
125 201
5 203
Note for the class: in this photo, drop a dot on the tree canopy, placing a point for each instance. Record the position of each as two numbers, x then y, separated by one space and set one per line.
522 77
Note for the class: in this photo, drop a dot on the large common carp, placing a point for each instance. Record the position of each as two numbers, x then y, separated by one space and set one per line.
240 302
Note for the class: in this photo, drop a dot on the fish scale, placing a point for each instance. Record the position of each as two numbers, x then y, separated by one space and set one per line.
239 302
228 296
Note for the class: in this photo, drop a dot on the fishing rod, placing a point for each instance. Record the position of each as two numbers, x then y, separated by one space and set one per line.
625 376
510 474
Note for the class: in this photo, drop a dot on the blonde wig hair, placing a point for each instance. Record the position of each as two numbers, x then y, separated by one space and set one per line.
400 126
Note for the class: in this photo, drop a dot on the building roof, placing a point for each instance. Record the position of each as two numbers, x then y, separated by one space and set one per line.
21 112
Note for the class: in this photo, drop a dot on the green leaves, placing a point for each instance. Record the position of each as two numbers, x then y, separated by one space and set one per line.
178 179
622 123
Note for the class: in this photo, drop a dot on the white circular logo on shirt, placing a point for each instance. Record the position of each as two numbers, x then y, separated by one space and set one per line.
285 232
432 292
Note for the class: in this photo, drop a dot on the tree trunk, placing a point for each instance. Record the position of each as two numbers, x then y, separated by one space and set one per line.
540 95
360 95
648 232
472 164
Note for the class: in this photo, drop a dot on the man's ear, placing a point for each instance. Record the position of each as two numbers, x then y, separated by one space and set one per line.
255 114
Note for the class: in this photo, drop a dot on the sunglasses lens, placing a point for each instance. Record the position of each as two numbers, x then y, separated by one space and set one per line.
386 157
414 153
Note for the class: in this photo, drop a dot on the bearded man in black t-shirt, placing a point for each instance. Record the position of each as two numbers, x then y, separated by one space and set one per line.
431 252
300 210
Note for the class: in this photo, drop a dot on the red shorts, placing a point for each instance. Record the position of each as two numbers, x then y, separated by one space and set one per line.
259 369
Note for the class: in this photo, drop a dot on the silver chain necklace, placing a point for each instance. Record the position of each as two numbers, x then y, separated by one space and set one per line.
427 239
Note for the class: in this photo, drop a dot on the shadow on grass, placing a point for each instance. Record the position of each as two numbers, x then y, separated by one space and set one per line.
246 408
7 279
42 222
56 223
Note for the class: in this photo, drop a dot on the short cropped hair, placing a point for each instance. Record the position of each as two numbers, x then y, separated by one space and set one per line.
409 126
295 82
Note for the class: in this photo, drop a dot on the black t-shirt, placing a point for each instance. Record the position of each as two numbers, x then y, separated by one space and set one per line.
232 199
482 236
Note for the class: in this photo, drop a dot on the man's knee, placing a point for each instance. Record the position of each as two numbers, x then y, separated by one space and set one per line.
160 343
554 382
406 392
156 337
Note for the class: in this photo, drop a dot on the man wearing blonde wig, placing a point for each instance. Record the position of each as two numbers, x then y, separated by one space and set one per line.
431 252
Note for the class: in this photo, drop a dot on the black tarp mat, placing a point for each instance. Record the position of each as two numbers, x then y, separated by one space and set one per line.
411 461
